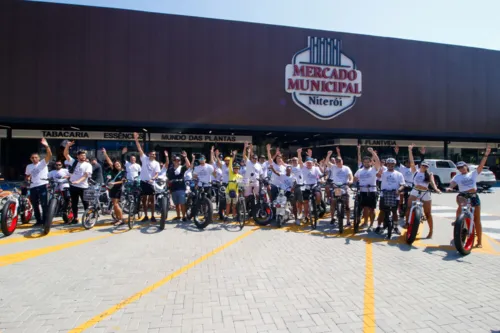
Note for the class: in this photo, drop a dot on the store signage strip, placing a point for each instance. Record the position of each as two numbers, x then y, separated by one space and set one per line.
127 136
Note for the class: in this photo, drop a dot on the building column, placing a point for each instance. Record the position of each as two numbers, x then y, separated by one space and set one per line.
445 153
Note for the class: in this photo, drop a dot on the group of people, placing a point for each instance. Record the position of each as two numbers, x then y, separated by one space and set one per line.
299 174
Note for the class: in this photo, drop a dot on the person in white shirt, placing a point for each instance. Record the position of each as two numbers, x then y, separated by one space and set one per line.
312 175
299 188
80 171
60 174
204 173
37 174
390 180
149 172
339 173
279 166
467 182
264 164
133 169
253 170
366 178
421 181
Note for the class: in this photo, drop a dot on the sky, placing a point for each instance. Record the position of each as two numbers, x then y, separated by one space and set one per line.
459 22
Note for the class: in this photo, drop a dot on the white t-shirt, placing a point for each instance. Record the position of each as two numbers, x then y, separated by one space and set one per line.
163 174
466 182
37 173
149 168
297 174
80 170
311 176
133 170
275 179
253 171
225 173
287 182
391 180
407 174
188 175
58 174
204 173
420 179
367 177
340 175
265 169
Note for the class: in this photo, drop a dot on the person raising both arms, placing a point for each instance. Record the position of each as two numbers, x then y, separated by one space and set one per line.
467 182
367 179
118 176
421 180
253 170
339 173
149 172
80 171
312 175
232 186
37 173
279 166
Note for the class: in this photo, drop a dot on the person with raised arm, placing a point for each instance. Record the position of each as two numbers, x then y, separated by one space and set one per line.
149 172
114 184
339 173
80 171
232 185
312 175
132 168
279 166
467 183
37 174
253 170
366 177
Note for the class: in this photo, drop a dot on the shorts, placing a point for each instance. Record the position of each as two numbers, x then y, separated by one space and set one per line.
115 192
368 200
298 197
179 197
423 197
230 200
147 188
474 200
306 194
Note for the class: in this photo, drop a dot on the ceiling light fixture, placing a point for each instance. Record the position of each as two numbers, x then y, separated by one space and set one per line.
269 133
145 130
209 132
316 134
75 128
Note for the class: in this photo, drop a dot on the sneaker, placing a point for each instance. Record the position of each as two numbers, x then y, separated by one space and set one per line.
378 230
332 221
348 224
297 221
176 218
153 219
370 229
145 219
396 231
184 219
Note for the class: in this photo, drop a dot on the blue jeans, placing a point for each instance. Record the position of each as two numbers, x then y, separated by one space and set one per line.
38 197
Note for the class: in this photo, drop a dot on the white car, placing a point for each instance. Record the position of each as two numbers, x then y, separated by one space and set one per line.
486 178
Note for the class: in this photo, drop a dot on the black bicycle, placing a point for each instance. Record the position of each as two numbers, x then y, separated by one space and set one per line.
130 201
339 203
162 201
59 203
313 206
199 205
404 204
358 210
390 198
259 205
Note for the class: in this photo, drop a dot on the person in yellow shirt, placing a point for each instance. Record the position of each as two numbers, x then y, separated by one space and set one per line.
232 185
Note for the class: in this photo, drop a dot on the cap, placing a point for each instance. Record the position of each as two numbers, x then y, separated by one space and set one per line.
236 166
221 156
202 157
254 156
390 160
177 158
262 156
227 159
425 164
461 164
289 167
308 159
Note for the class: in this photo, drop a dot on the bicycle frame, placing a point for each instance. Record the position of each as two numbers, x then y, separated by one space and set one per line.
468 212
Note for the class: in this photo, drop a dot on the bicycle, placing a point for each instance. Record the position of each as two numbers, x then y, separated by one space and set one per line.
404 204
259 204
464 228
313 211
415 217
59 203
339 195
241 208
390 203
358 210
283 206
18 205
162 201
199 203
98 198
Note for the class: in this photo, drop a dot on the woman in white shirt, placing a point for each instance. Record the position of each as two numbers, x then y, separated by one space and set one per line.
466 182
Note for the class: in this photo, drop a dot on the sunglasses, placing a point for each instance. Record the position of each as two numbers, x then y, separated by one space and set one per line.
58 164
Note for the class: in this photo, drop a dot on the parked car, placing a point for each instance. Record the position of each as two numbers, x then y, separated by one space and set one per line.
443 170
486 178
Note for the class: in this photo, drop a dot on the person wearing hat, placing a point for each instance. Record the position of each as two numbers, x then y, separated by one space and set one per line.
466 182
312 174
232 186
253 169
421 181
204 173
175 174
390 180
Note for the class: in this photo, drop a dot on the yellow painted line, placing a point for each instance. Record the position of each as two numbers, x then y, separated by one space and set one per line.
369 295
156 285
14 258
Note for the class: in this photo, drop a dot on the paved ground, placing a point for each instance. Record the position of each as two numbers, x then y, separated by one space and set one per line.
255 280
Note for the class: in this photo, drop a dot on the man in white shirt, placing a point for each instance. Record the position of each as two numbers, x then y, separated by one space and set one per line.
60 174
253 170
279 167
390 180
312 174
204 173
80 171
36 174
149 172
133 169
366 177
339 173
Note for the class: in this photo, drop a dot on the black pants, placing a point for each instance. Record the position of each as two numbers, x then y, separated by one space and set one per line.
38 197
75 193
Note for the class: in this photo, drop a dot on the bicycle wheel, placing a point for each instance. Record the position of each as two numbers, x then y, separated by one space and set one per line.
262 214
89 218
242 212
464 241
131 214
9 222
26 213
314 215
202 213
340 215
357 216
164 211
388 223
51 212
67 216
413 225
